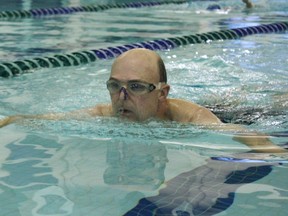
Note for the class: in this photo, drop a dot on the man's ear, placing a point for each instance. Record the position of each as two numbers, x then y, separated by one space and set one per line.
164 91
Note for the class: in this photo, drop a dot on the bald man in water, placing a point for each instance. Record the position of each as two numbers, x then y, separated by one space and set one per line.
139 92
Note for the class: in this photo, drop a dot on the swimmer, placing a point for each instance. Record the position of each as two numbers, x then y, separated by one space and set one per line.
217 8
139 91
248 3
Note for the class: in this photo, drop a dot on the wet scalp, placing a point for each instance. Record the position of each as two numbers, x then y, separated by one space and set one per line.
148 54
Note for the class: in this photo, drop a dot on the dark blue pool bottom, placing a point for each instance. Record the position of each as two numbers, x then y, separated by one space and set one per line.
197 189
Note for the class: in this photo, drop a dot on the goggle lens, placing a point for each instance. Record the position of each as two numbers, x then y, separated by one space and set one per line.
134 87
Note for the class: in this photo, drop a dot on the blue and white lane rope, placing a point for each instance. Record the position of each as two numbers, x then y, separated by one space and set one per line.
33 13
9 69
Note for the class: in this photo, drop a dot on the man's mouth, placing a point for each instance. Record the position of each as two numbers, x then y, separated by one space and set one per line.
123 111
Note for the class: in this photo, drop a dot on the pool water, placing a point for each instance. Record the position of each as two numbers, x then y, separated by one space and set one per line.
104 166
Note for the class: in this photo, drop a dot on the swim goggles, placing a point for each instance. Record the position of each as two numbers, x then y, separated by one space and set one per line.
133 86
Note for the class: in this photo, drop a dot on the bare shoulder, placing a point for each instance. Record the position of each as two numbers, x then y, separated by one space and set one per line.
186 111
181 102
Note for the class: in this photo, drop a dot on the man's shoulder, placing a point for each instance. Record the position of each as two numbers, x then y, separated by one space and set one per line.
181 110
182 104
186 111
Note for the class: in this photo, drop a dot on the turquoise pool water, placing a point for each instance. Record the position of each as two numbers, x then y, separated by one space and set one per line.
103 166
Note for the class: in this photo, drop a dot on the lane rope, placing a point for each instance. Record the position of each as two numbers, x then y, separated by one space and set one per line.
9 69
34 13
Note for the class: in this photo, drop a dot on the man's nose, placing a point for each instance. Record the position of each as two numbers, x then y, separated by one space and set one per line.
123 95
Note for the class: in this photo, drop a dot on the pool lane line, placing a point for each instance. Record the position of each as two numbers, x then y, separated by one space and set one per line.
10 69
35 13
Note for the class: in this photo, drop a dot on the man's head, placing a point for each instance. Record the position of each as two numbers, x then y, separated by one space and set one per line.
139 79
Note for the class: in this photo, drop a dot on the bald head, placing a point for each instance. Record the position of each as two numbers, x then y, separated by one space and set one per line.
140 93
144 58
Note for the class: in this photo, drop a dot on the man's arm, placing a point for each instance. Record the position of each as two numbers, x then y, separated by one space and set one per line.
186 111
99 110
258 142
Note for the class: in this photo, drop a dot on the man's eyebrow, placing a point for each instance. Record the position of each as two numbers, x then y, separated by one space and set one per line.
134 80
111 78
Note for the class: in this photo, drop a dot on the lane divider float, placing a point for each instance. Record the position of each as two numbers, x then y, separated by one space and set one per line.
9 69
33 13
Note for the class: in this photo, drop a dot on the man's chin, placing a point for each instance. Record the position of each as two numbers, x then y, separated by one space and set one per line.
127 115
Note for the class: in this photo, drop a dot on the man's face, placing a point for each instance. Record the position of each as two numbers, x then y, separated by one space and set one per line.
138 66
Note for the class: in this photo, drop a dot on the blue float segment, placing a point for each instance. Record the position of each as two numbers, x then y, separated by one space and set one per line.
89 8
9 69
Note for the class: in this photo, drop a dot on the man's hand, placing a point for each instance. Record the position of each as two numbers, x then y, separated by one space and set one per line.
8 120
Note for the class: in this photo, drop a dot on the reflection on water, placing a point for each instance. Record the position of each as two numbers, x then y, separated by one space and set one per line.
24 170
137 164
64 175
